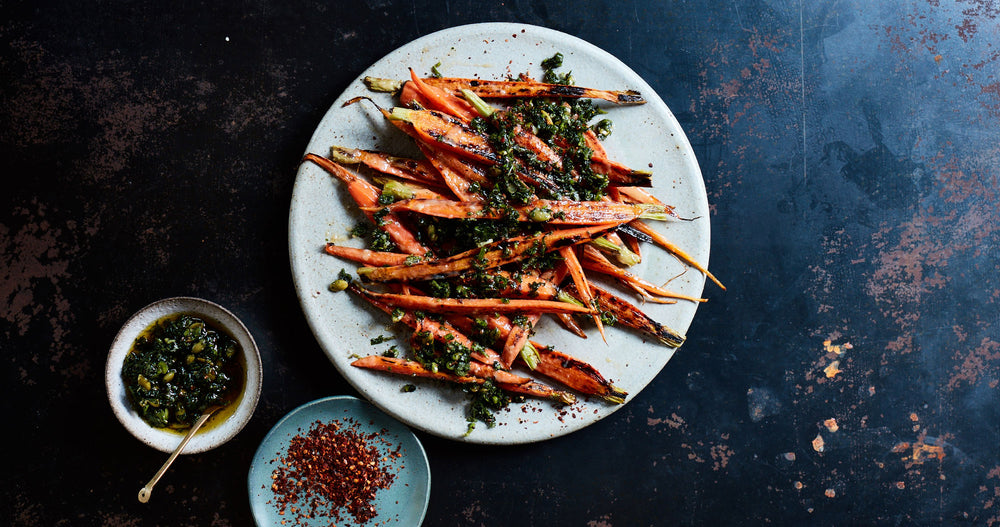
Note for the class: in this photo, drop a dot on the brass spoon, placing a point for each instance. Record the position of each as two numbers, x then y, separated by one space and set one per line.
148 489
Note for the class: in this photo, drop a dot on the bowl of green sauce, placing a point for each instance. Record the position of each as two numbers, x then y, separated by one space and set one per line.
174 359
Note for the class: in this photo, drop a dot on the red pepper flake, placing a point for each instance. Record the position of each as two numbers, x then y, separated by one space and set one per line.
330 469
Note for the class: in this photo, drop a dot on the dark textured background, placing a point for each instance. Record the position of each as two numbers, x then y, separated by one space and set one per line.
850 151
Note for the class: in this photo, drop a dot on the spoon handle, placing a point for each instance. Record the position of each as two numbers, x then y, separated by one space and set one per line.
148 489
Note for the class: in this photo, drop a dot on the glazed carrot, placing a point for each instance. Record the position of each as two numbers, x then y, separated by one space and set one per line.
410 96
572 373
580 280
489 89
458 184
486 257
570 324
627 314
366 195
440 331
480 374
410 368
401 167
577 374
595 261
517 338
369 257
673 249
521 284
438 99
555 212
445 131
501 324
473 306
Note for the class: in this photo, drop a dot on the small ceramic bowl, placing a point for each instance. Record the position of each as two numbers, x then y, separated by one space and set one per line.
222 426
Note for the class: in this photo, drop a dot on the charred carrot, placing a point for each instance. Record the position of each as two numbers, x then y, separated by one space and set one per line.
366 195
486 257
401 167
521 284
517 338
627 314
555 212
369 257
578 374
410 368
570 324
542 391
480 374
662 241
473 306
580 280
458 184
489 89
438 99
595 261
440 331
445 131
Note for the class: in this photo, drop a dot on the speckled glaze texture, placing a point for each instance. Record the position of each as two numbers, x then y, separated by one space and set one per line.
850 374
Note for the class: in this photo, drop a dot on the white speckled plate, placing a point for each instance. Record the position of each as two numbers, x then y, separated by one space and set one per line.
644 137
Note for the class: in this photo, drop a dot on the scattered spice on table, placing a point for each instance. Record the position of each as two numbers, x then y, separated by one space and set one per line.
330 469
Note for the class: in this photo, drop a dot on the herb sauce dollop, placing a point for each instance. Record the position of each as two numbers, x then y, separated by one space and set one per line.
178 367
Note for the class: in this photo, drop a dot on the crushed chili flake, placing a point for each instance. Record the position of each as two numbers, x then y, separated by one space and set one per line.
333 468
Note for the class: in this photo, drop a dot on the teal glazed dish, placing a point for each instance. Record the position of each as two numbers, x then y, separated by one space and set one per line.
403 503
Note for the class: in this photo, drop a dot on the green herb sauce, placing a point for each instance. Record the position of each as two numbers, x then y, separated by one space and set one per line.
178 367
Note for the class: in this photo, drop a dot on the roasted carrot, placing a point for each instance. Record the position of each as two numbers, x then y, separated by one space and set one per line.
486 257
480 374
521 284
595 261
438 99
517 338
458 184
554 212
369 257
627 314
662 241
577 374
473 306
489 89
580 280
366 195
445 131
440 331
401 167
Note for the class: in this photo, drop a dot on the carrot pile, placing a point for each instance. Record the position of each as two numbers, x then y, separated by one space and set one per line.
512 211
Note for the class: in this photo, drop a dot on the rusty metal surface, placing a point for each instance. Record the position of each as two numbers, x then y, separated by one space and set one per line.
850 151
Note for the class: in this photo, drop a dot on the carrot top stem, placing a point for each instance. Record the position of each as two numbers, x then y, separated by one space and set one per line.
478 103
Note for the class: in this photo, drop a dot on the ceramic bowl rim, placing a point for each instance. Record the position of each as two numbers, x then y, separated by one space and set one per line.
167 441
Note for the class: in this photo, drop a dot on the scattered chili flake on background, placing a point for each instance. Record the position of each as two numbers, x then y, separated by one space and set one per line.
330 469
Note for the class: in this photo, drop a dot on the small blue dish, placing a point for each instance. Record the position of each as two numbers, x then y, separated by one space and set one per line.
403 503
